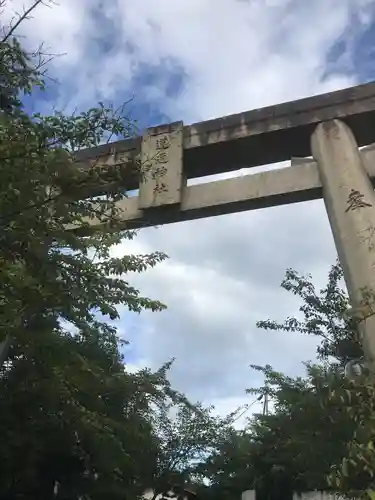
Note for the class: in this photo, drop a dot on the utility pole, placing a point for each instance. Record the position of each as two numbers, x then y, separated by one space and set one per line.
265 402
4 348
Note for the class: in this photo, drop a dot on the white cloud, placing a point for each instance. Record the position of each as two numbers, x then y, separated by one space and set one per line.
223 274
58 26
237 54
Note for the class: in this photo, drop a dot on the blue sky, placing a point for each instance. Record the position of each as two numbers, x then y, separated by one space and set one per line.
195 60
352 53
357 40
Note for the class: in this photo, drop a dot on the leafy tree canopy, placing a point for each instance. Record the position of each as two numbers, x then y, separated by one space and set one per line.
75 424
319 434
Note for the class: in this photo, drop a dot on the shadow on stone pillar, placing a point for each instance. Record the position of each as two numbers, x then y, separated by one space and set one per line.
350 203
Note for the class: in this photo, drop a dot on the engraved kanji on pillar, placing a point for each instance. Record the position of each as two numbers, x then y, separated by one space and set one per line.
350 202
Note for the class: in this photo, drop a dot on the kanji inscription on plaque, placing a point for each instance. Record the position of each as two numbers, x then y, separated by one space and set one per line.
162 169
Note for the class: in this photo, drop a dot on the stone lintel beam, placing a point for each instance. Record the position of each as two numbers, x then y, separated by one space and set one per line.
252 138
297 183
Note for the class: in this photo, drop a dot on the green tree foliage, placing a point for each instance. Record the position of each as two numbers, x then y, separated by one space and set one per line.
319 434
305 433
49 273
185 435
74 423
324 315
72 419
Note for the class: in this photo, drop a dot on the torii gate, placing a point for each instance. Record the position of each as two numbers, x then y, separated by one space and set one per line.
328 128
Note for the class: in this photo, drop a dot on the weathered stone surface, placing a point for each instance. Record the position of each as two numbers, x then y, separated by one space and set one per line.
340 171
297 183
261 136
161 166
350 202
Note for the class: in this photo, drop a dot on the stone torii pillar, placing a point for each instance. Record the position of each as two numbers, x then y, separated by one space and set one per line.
350 203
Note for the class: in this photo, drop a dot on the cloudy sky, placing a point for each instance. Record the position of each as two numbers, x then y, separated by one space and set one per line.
193 60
